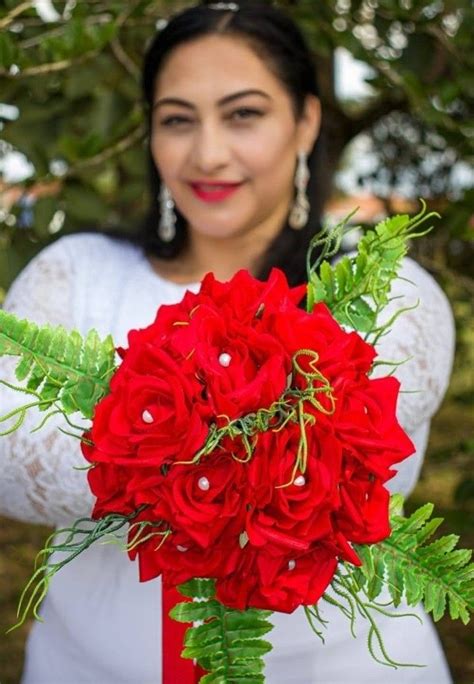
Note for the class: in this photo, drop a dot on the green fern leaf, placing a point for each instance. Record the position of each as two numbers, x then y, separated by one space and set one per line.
228 645
357 288
203 588
438 574
194 612
59 366
61 548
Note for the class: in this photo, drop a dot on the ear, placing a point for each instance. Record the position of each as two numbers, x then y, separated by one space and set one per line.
309 124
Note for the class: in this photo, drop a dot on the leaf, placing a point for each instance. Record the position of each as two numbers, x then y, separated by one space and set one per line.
61 548
204 588
357 288
59 366
228 645
438 574
193 612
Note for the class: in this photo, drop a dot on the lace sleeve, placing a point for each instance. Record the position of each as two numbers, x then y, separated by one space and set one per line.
423 339
38 482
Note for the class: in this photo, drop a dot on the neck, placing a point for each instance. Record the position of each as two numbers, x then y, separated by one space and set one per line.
225 256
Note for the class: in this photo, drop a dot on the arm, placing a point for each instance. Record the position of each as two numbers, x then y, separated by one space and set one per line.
424 339
38 482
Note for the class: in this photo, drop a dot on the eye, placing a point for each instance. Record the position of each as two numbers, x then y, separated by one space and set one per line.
245 114
175 121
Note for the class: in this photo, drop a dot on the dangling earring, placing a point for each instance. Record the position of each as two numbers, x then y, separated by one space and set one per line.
299 213
167 227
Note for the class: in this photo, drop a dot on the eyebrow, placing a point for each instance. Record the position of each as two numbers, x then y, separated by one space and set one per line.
223 101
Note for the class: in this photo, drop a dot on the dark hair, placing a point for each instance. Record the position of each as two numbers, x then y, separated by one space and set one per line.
277 40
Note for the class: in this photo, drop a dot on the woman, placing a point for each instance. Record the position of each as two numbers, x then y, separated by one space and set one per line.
234 120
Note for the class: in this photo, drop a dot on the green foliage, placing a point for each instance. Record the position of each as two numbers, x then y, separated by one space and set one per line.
61 368
357 288
411 569
436 573
65 545
228 643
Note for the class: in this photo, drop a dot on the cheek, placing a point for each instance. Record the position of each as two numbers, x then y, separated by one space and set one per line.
168 155
270 152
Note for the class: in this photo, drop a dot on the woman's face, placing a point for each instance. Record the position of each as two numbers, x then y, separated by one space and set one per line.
225 139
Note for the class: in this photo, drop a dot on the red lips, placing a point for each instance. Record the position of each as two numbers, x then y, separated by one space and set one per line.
214 191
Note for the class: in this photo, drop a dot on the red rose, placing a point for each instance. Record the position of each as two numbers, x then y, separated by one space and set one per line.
152 417
341 354
369 426
241 368
243 298
153 414
364 514
109 486
278 582
293 516
178 559
205 500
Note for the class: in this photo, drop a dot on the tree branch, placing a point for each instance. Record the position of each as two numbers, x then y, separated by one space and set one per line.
44 187
124 59
120 146
49 67
59 29
16 11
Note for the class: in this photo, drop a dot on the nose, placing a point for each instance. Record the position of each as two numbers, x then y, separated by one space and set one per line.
210 150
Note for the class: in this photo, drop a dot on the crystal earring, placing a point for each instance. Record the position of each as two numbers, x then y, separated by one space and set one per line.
167 227
299 213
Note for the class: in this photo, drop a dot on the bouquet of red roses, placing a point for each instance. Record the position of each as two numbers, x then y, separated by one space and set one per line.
251 434
245 447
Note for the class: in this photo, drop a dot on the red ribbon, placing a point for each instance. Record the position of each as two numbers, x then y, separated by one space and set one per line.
176 670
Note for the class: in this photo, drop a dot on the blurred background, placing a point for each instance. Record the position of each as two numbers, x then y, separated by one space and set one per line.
397 87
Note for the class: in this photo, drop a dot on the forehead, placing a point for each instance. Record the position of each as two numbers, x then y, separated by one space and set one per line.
212 67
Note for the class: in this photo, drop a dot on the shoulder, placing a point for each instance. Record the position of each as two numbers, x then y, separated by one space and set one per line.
73 275
84 252
92 249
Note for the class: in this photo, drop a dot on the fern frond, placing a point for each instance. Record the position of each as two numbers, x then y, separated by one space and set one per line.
59 367
60 549
227 643
350 597
357 288
411 567
436 573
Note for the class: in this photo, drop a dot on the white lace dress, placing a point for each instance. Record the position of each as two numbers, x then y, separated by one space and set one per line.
101 626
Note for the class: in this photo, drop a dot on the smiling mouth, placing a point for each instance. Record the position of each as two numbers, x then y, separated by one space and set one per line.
214 192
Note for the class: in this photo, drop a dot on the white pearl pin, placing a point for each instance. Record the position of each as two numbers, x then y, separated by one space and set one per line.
291 564
204 484
243 539
300 481
183 549
225 359
147 417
